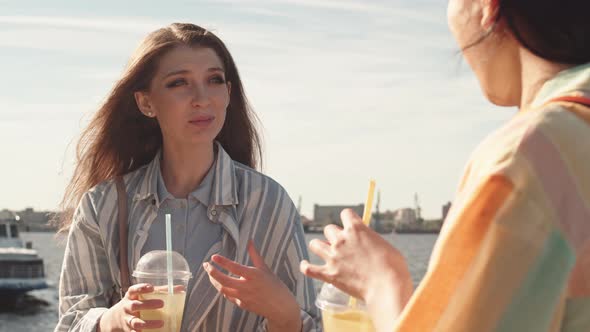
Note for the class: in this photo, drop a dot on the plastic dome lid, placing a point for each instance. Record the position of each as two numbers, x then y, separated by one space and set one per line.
154 265
332 298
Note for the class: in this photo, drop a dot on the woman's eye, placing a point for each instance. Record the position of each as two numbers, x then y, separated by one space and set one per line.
217 80
177 82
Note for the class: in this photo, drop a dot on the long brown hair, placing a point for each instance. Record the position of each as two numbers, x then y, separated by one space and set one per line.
120 139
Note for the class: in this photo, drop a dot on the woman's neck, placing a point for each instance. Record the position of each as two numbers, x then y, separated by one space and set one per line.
184 167
535 72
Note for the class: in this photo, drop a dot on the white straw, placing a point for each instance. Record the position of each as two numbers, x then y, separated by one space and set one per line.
169 253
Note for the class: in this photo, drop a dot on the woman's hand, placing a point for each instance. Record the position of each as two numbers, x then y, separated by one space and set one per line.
256 289
361 263
123 316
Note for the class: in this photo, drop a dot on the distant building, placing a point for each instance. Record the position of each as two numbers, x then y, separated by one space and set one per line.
330 214
31 216
7 215
305 221
29 220
404 216
445 210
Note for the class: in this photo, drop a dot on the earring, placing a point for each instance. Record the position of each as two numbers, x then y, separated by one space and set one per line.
150 114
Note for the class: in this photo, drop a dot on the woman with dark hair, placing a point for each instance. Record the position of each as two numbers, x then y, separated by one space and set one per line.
176 136
514 252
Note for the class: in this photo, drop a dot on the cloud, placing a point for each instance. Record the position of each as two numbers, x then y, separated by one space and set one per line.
116 24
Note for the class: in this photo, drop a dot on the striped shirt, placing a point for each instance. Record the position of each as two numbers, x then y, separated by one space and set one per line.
247 204
514 253
193 233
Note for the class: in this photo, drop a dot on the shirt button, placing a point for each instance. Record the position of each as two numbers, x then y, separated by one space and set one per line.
213 212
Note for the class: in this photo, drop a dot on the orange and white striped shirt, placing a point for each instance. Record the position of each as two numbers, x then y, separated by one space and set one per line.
514 253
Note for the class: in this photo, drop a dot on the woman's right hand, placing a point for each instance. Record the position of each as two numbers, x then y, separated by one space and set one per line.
123 316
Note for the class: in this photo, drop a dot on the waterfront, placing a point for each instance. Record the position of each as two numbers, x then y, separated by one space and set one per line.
37 316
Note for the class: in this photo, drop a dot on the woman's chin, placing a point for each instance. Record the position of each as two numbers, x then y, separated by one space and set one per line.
499 100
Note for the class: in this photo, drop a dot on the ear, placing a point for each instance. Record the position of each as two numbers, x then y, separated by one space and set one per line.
490 11
229 88
142 100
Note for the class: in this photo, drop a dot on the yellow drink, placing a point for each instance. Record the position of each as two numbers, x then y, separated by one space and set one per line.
171 313
347 321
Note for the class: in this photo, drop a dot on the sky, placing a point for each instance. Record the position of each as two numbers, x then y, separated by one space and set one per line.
345 90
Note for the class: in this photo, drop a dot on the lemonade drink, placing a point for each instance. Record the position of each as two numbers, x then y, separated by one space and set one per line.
171 313
337 313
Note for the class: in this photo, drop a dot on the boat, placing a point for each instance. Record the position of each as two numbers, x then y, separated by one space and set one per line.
21 268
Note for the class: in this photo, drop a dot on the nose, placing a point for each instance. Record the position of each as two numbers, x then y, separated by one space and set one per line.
200 96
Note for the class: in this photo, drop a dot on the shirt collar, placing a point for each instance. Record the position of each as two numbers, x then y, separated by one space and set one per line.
201 193
574 81
221 179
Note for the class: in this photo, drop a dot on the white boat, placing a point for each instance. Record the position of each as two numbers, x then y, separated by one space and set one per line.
21 269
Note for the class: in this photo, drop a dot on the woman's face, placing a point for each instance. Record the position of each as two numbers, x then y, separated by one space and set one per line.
188 95
494 60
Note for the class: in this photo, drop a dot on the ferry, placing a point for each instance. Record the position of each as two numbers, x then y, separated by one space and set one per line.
21 268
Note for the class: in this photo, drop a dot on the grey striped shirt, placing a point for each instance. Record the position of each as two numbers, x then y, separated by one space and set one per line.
247 204
193 233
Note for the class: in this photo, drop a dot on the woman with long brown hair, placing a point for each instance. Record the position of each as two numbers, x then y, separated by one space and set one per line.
178 135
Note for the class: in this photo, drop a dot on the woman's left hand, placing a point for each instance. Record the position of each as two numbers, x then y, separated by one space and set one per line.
256 289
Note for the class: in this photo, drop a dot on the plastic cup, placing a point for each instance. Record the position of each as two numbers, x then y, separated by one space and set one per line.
337 313
151 268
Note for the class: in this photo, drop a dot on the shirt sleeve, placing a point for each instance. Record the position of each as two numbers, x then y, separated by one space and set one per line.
300 285
501 266
85 284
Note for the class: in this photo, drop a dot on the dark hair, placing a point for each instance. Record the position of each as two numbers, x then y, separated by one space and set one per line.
120 139
555 30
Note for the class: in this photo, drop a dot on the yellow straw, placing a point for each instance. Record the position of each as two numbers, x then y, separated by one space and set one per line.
369 203
366 221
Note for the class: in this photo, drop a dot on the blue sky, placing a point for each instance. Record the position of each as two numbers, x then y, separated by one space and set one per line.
345 90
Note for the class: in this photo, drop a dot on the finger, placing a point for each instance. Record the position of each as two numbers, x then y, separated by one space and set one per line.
331 232
224 290
178 289
231 293
350 218
137 323
222 279
136 305
230 298
134 291
239 303
314 271
233 267
164 289
320 248
257 260
215 284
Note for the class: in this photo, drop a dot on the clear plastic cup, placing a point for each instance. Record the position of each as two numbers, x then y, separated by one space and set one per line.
152 269
338 315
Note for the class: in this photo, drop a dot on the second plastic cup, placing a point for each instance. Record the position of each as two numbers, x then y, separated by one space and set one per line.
338 316
151 268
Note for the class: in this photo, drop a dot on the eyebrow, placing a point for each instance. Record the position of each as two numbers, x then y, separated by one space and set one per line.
185 71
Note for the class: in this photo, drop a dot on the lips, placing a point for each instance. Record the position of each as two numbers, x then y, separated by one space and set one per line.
202 120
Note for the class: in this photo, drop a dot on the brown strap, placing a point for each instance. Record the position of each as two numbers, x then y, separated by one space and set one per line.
123 237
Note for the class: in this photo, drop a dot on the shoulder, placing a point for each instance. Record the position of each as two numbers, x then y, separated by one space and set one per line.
104 195
252 180
542 153
261 192
550 131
